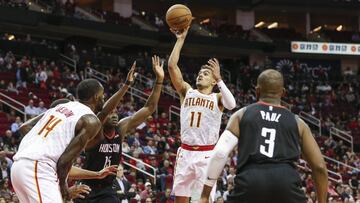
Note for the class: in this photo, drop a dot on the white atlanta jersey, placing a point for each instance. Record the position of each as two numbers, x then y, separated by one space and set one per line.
48 139
200 118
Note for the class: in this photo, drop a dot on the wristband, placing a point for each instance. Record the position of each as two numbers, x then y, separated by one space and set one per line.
221 84
128 83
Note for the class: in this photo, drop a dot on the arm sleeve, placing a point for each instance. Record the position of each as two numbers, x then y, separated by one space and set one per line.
225 145
227 99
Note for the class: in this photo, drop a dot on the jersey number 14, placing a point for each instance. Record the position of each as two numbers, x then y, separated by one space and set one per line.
49 125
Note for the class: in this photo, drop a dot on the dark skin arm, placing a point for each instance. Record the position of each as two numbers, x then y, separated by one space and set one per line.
114 101
28 125
312 154
233 127
86 129
149 108
110 105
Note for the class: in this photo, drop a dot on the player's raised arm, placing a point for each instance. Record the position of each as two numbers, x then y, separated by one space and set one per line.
175 74
26 127
226 98
149 108
228 140
312 154
114 100
87 127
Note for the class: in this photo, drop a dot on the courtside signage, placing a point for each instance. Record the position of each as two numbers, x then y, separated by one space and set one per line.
325 48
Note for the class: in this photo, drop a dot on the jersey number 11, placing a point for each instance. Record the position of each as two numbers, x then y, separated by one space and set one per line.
193 118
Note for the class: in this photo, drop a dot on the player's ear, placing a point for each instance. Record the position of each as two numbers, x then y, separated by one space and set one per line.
213 83
283 92
257 91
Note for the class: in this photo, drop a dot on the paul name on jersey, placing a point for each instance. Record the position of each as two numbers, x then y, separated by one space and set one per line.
273 117
201 102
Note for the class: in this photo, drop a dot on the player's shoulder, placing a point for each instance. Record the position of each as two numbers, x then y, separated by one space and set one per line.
90 121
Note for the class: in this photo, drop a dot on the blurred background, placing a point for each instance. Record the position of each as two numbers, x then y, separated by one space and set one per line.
48 46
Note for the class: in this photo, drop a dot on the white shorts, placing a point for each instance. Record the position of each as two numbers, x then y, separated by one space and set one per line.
35 181
190 173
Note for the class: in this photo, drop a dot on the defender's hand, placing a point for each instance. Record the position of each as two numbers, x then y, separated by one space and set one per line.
110 170
158 68
180 34
214 66
78 191
131 74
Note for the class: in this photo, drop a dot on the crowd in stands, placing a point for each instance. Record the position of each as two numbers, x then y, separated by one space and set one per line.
156 141
14 3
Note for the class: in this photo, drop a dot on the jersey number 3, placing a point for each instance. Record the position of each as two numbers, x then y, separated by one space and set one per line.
49 125
193 118
270 135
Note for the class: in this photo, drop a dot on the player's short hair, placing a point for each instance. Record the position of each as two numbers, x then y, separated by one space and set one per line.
87 89
59 101
204 67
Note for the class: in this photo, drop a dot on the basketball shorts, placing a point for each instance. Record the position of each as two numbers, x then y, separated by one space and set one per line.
190 173
35 181
266 183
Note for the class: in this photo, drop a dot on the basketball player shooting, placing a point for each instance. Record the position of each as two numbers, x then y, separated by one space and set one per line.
270 140
201 112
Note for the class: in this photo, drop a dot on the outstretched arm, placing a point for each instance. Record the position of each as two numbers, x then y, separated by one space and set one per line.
114 101
77 173
312 154
86 128
140 116
28 125
175 74
228 140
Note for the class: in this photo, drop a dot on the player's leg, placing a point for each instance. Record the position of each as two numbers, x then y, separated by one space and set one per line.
183 176
201 166
179 199
293 192
19 173
46 184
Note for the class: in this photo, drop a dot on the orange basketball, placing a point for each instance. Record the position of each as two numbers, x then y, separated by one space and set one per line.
178 17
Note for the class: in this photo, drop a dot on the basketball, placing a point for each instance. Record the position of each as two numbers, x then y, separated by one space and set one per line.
178 17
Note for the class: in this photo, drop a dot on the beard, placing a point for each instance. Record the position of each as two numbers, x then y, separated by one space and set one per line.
99 107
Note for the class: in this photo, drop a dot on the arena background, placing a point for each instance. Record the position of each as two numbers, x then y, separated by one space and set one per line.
47 47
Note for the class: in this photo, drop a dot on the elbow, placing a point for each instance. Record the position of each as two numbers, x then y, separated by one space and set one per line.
320 168
171 63
60 164
230 105
23 130
151 108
